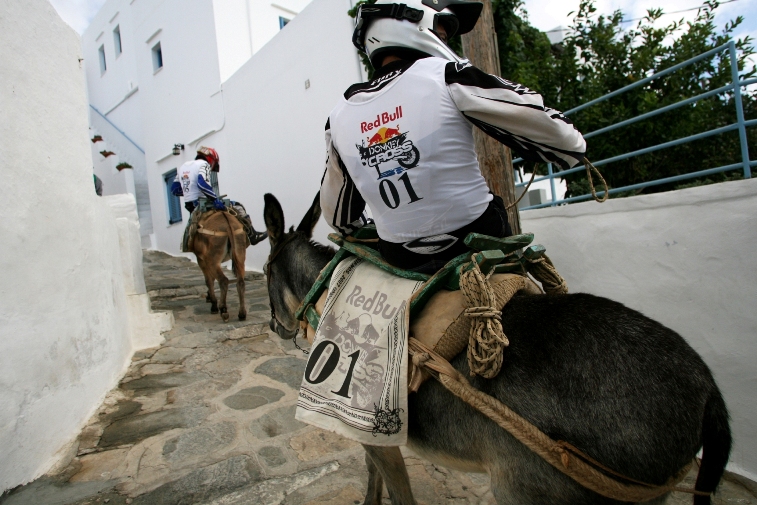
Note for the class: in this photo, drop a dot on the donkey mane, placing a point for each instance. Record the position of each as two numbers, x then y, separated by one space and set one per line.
322 251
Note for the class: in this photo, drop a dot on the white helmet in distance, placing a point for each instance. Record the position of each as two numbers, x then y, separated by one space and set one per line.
385 27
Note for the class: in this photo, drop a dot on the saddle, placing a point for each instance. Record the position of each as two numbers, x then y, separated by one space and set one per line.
441 316
203 211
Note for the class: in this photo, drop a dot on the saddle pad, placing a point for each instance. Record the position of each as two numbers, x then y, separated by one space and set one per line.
355 381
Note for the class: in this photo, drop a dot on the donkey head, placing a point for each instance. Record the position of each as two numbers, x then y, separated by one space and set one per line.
293 264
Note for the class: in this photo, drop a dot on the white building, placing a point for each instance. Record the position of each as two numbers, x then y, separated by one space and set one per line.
155 74
683 258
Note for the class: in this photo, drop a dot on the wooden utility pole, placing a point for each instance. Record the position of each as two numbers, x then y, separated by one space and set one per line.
496 162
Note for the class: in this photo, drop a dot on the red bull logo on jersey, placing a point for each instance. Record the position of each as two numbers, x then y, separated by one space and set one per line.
381 119
388 144
383 135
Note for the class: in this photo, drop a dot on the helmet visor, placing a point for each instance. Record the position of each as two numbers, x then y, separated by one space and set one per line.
467 13
368 12
447 21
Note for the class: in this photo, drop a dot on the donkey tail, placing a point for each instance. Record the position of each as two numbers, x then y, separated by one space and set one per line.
716 446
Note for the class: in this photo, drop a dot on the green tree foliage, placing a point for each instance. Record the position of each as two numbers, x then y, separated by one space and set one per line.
598 56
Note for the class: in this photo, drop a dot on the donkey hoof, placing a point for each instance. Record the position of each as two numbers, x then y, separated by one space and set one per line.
214 310
242 317
225 316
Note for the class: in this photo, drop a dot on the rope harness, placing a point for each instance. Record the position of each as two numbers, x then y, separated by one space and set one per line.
545 272
486 343
218 233
589 167
571 461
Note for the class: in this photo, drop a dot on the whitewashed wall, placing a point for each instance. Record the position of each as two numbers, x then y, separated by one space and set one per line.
685 258
66 329
273 138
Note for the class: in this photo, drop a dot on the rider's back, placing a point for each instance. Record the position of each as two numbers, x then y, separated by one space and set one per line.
187 175
410 151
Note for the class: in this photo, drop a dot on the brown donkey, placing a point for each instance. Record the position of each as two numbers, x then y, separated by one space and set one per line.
221 236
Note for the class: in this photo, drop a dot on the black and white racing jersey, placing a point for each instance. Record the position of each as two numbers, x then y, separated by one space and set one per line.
403 144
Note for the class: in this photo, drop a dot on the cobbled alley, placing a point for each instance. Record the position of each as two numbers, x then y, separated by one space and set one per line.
208 418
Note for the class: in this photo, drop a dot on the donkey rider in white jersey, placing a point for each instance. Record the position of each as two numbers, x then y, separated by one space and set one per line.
402 143
193 182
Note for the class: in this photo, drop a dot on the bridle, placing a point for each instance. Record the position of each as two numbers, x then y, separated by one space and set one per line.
272 256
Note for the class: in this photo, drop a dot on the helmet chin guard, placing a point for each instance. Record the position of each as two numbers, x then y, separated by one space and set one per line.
384 27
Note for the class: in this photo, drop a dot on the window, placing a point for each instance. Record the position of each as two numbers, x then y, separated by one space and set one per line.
174 203
117 39
283 22
101 53
157 58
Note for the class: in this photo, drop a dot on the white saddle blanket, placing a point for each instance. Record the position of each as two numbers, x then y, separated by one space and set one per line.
355 382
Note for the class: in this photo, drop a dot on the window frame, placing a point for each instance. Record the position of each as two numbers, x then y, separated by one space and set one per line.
118 48
156 53
173 202
101 58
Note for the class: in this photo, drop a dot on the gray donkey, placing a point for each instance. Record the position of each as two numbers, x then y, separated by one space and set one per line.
626 390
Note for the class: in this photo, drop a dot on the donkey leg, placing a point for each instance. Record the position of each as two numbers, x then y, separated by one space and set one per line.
375 483
240 292
209 282
391 466
239 273
223 283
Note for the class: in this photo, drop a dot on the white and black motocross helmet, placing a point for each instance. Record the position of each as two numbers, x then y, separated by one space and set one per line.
386 27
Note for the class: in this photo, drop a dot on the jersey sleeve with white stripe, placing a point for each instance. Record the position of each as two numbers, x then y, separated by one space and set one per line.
515 116
203 181
341 204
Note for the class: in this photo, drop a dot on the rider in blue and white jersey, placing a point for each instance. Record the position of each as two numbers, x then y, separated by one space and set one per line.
193 181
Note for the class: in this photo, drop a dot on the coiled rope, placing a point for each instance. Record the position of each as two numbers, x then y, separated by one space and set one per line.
544 271
487 339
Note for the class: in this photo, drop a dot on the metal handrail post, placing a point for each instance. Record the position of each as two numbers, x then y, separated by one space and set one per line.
739 109
551 182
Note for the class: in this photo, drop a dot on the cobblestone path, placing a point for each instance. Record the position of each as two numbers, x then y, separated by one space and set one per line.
208 418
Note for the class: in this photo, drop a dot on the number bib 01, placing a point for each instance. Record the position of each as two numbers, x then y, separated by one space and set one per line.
355 381
410 153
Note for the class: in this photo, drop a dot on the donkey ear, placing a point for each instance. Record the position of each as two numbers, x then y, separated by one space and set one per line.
273 217
307 225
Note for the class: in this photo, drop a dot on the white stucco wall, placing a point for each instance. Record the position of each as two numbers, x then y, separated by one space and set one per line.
685 258
273 135
65 331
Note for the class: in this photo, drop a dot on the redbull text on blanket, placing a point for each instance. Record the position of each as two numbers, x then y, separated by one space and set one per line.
374 305
355 381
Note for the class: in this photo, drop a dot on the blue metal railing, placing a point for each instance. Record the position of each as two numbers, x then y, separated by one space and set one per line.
117 129
741 125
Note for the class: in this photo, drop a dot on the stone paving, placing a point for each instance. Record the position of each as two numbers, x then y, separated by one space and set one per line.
208 418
